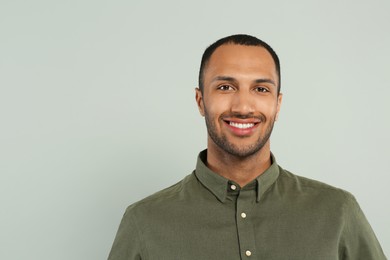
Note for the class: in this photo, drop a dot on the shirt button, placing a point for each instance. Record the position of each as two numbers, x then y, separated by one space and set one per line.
248 253
233 187
243 215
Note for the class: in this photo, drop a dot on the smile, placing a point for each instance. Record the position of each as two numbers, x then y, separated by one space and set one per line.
241 125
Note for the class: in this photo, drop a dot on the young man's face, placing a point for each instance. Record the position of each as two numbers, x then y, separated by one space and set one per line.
239 100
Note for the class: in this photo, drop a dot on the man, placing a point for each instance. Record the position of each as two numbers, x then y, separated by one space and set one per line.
238 203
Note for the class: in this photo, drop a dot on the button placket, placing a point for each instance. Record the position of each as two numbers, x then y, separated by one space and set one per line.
245 202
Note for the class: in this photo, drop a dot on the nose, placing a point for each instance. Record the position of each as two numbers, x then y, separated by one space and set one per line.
243 103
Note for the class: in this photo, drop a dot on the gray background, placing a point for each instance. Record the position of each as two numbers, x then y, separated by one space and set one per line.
97 108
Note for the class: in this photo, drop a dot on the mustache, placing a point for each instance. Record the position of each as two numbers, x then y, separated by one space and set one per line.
260 117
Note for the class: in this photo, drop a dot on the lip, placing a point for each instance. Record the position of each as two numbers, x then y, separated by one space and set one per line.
242 132
242 121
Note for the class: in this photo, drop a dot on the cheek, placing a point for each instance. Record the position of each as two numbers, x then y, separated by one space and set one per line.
216 107
268 109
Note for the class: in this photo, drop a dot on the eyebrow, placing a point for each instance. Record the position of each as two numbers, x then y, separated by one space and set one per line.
224 78
265 81
231 79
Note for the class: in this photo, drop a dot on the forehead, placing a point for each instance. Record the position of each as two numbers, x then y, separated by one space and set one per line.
236 59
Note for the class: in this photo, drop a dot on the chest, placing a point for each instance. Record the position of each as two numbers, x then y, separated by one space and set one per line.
242 228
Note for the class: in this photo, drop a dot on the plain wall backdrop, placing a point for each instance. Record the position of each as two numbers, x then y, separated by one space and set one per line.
97 108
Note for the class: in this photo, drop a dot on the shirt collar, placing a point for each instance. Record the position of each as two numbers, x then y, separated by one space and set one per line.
219 185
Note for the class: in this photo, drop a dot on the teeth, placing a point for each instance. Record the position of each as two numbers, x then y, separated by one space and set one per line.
241 126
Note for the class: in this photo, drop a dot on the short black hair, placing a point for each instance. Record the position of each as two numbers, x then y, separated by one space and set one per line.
239 39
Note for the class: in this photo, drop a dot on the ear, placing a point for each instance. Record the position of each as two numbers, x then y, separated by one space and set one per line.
199 100
280 98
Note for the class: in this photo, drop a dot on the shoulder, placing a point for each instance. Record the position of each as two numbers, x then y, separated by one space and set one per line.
314 190
163 199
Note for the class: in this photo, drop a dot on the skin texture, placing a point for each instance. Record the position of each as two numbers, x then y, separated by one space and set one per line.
240 86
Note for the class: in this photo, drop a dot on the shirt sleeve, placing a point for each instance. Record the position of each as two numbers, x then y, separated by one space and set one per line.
358 241
127 243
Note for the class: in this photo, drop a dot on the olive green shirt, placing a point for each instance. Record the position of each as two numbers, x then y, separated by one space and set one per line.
279 216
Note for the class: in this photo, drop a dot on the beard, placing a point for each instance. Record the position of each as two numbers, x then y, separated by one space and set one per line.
223 143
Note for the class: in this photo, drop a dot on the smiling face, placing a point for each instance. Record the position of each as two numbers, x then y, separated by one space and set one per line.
240 99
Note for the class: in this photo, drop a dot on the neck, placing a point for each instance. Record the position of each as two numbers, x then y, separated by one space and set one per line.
241 170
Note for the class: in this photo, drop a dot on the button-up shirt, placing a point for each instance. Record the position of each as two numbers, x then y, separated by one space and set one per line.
278 215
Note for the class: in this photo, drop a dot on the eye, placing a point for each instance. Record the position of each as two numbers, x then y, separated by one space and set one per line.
261 89
225 88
